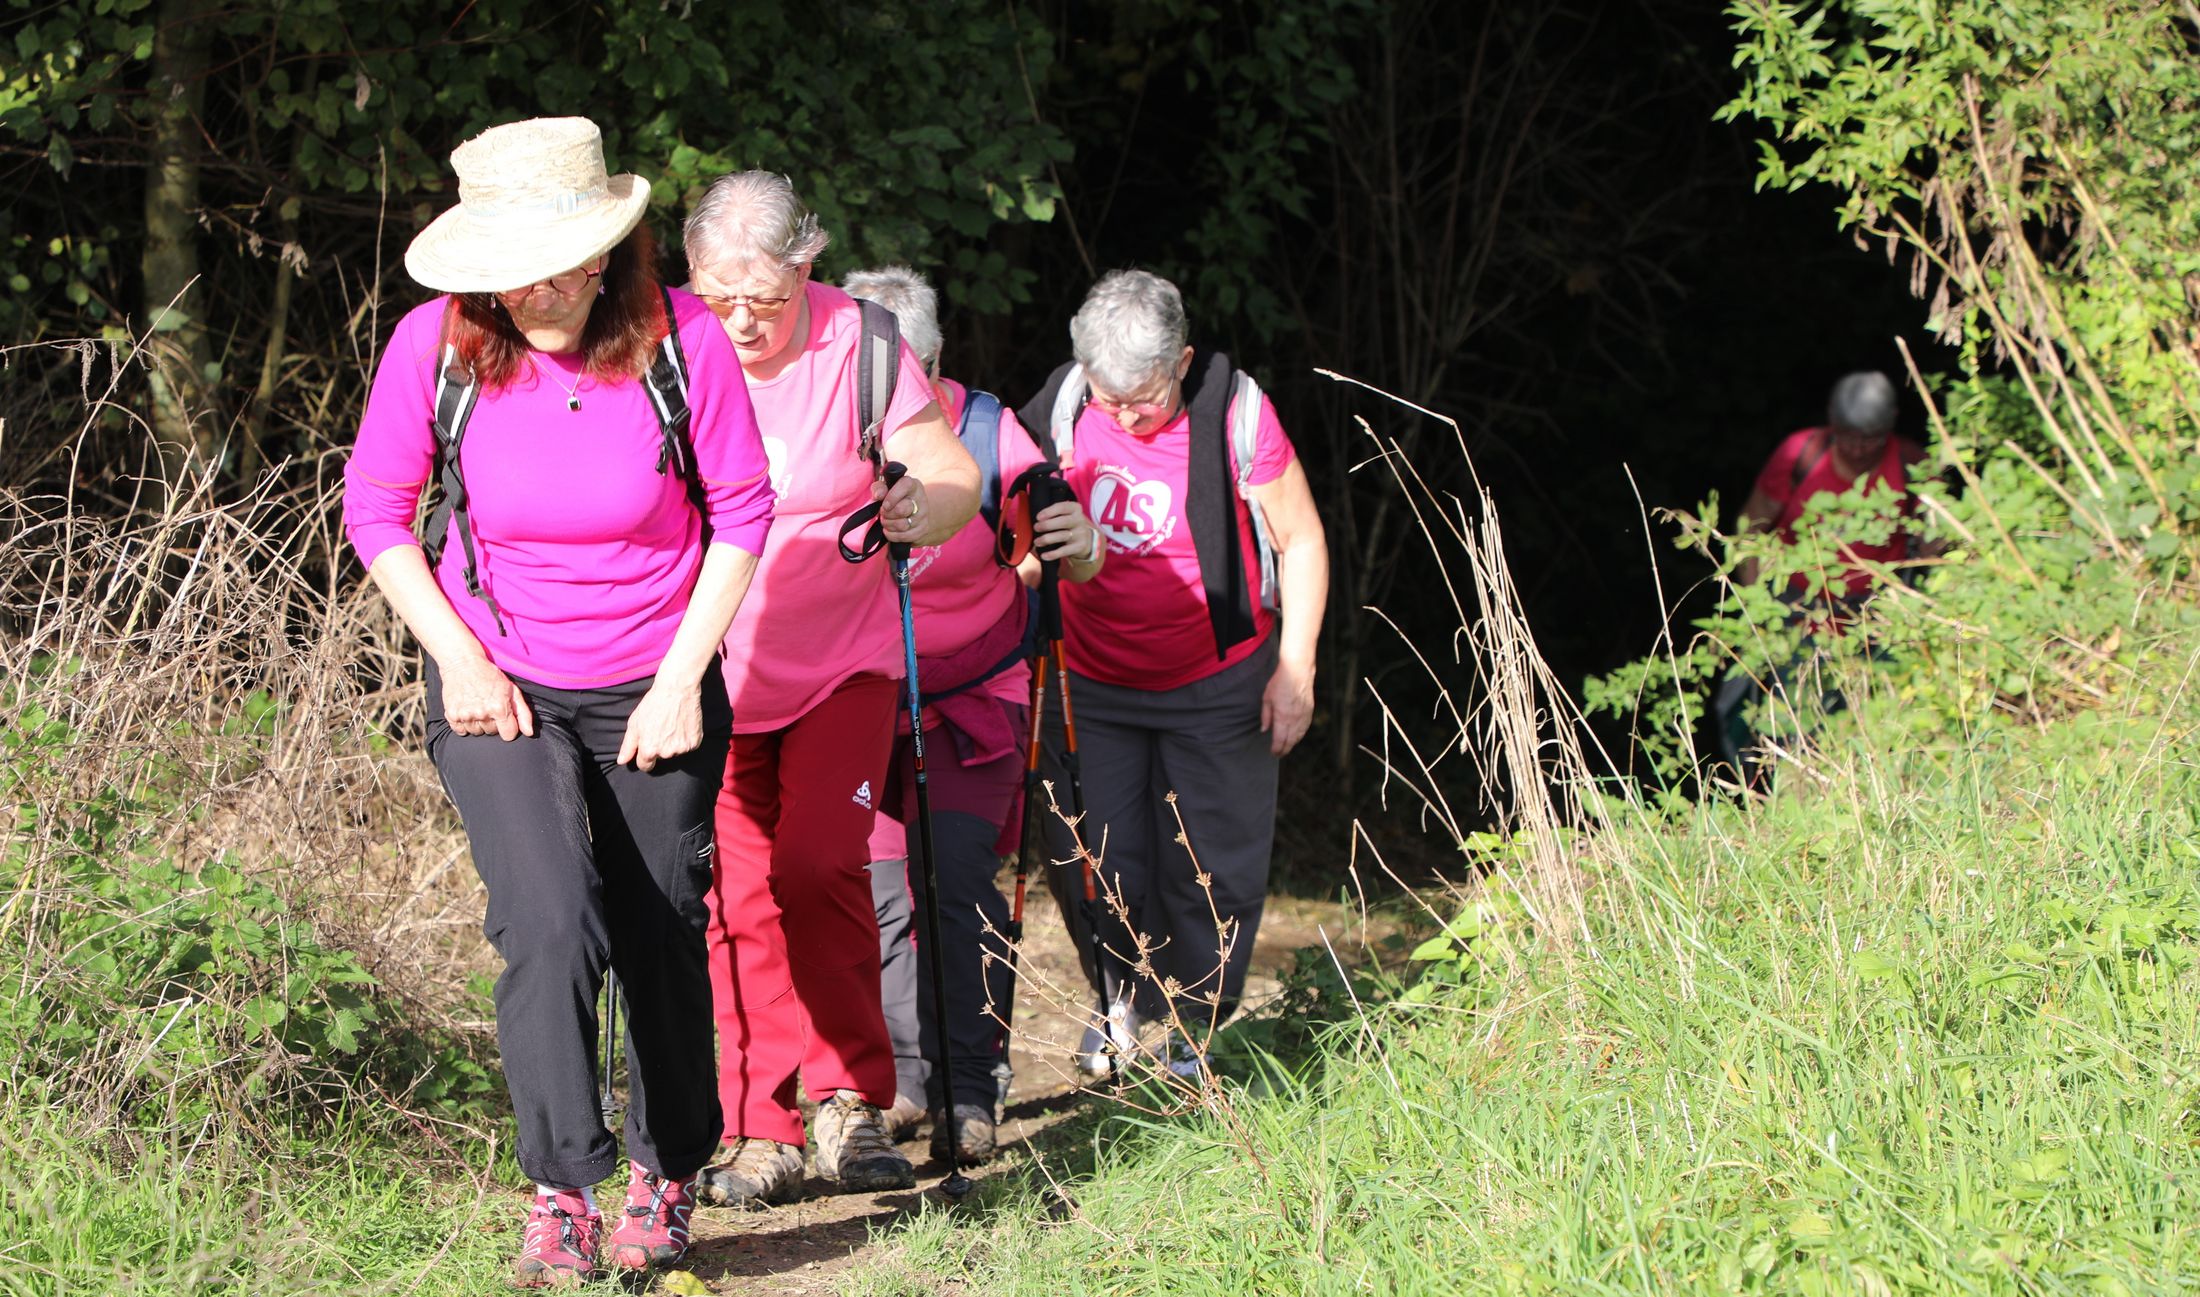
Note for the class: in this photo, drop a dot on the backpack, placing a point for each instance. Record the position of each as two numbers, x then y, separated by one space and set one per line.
456 394
980 434
1224 405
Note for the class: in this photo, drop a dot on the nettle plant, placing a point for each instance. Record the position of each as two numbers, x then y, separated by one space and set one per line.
2037 170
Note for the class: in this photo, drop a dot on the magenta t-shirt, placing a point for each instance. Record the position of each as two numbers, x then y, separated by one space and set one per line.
589 551
1823 477
1142 621
812 621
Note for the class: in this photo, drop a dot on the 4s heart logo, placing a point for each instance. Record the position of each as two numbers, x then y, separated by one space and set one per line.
1135 516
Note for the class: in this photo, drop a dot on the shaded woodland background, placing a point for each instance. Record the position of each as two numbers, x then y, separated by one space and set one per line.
1522 215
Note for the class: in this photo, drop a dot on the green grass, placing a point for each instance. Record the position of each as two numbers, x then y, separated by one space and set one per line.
345 1214
1929 1026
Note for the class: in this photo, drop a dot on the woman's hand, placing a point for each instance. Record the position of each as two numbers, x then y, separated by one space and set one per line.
1061 531
667 722
479 699
1287 706
902 513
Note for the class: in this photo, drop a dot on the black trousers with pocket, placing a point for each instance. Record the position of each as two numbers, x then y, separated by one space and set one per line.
590 864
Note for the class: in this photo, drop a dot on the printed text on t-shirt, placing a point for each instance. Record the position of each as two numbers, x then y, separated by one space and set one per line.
1135 516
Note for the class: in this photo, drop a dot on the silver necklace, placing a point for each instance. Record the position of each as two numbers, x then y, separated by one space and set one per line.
572 390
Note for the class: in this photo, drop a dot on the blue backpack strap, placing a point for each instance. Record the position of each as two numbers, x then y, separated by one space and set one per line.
980 434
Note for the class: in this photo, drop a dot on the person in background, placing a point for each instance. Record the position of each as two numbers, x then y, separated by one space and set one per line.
1191 668
574 704
813 670
972 620
1855 449
1856 444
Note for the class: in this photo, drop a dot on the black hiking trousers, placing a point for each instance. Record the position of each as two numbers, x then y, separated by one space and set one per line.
1203 742
592 864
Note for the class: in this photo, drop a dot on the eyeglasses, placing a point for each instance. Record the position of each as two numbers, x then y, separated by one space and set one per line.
1142 411
763 308
569 282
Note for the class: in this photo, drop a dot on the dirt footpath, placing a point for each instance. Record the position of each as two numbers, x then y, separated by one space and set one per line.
803 1247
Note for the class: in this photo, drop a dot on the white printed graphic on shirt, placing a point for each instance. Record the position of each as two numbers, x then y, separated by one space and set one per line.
863 795
775 456
921 558
1135 516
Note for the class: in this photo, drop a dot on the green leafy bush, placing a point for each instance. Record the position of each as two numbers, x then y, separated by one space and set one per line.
2036 164
160 996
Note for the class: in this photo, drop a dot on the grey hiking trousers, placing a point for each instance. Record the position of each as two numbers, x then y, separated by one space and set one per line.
1203 742
592 864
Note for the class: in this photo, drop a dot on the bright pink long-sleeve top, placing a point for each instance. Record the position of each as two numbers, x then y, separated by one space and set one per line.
589 551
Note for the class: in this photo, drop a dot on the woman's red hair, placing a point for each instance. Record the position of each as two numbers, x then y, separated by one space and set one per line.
622 332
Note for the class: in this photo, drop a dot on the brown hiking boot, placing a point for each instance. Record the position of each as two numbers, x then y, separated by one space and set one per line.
756 1173
850 1147
974 1135
903 1118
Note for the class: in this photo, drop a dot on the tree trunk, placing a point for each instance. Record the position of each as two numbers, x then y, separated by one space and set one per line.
178 352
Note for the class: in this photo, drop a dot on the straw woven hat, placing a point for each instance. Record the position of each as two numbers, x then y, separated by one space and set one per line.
533 200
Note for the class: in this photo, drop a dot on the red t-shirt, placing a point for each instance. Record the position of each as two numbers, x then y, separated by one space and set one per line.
1822 476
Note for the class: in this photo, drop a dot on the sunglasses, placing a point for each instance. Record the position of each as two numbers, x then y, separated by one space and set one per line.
763 308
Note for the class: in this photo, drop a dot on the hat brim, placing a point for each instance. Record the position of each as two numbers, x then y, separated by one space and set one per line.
460 253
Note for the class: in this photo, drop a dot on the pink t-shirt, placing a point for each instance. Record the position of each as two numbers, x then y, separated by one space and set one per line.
588 550
1142 622
958 591
1823 477
811 620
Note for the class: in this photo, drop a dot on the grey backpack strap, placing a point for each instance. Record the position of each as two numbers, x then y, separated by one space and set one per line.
1244 442
878 364
1069 402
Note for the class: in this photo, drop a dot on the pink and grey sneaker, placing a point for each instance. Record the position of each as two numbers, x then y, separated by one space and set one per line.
559 1247
653 1230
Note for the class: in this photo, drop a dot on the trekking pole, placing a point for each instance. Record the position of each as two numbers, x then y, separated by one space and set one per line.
1109 988
610 1043
1003 1074
956 1185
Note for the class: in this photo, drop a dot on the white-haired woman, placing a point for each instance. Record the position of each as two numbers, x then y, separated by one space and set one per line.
1191 670
973 664
813 669
575 712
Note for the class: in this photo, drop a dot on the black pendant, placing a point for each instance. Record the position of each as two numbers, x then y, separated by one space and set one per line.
573 403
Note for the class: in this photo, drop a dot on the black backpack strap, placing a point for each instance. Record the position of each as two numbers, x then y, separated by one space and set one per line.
878 364
1812 453
1210 490
667 385
456 394
980 434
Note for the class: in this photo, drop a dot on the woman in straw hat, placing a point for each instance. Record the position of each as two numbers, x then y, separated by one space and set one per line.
813 665
575 706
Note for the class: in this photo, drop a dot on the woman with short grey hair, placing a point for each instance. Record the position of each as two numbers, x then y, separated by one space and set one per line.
1130 330
1191 654
1855 444
972 664
912 299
